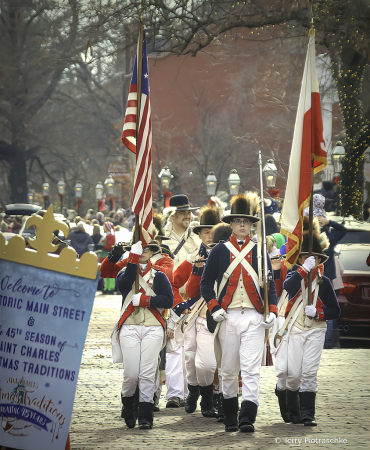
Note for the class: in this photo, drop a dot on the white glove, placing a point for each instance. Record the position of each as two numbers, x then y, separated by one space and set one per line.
310 311
269 321
219 315
309 264
135 299
137 249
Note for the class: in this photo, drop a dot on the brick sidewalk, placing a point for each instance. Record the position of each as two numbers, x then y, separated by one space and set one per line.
342 405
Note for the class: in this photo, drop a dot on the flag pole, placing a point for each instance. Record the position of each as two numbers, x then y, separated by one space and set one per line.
138 83
266 275
309 320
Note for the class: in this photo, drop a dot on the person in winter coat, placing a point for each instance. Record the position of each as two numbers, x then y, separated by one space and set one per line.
328 192
96 236
108 242
80 239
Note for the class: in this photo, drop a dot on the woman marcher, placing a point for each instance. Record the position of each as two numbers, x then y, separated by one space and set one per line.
141 331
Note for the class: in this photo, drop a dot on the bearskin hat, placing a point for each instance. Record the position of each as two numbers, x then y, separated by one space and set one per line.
157 222
244 206
208 218
320 241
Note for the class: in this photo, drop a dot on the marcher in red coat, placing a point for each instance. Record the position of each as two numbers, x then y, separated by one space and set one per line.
109 268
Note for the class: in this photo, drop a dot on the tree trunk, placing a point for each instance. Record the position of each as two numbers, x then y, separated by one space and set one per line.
18 176
348 71
352 182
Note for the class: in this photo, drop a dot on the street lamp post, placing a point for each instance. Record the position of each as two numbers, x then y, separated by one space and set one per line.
61 188
366 175
165 179
211 183
78 194
270 172
45 194
99 190
109 187
234 182
337 157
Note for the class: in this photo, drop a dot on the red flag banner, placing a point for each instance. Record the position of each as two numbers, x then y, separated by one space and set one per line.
142 146
308 149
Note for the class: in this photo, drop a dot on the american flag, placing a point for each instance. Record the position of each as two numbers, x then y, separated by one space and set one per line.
142 146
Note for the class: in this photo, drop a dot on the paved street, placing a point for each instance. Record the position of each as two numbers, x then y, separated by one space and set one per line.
342 405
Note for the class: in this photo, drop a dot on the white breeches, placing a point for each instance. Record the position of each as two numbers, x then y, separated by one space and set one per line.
298 359
175 381
242 340
200 360
140 349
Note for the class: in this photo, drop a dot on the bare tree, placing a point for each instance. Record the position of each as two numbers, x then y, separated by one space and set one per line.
342 28
56 58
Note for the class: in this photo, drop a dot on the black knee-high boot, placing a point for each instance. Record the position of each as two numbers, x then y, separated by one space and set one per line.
192 398
247 416
206 404
231 413
218 403
127 411
292 403
281 395
145 415
308 400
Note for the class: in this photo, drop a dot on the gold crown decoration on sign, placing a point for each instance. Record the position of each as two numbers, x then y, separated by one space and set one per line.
39 255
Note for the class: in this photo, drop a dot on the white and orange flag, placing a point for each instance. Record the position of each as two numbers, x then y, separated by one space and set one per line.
308 146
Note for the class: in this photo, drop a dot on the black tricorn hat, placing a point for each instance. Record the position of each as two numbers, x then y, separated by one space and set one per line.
243 206
165 249
181 203
320 241
208 218
157 221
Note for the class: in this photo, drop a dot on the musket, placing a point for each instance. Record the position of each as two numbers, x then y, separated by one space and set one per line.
267 275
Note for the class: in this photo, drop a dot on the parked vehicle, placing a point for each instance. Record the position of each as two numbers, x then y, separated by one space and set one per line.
357 232
21 209
354 297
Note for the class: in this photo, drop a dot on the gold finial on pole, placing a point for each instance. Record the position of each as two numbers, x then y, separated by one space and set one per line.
312 29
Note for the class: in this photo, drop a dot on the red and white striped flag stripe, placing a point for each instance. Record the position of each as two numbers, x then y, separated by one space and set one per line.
308 142
142 146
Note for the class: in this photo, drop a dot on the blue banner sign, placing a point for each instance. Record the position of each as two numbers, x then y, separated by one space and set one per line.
44 317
